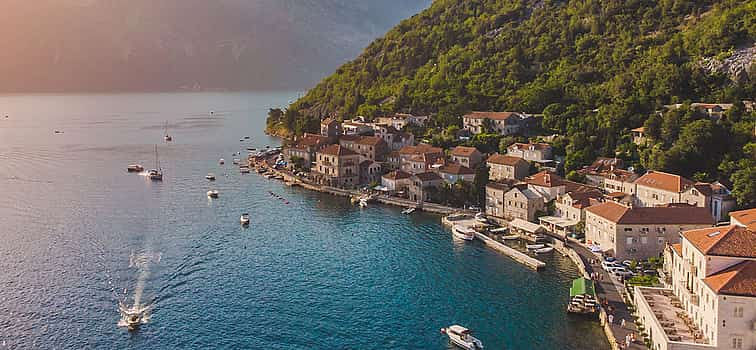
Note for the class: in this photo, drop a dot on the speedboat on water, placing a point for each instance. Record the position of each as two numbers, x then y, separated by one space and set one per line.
221 161
213 193
462 337
244 219
210 176
133 317
135 168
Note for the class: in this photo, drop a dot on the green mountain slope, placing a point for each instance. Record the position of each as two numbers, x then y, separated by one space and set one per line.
594 68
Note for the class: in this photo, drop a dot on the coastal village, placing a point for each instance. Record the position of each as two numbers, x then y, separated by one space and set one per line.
667 262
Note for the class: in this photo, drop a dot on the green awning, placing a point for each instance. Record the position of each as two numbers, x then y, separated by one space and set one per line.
582 286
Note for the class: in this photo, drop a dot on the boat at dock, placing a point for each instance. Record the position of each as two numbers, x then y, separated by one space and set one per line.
544 250
408 211
510 237
244 169
462 337
213 193
534 246
135 168
236 161
465 233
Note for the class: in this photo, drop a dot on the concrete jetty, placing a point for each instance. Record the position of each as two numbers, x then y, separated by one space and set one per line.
515 254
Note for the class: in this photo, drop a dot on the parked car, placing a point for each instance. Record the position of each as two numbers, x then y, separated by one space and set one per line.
627 263
608 265
651 272
609 258
622 272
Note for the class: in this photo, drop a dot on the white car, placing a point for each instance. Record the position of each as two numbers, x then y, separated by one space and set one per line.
608 265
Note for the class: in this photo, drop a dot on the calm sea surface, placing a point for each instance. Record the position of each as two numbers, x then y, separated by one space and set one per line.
78 233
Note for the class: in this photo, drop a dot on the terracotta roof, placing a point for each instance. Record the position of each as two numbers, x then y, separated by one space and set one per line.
664 181
428 176
489 115
677 248
544 179
746 217
582 199
328 121
397 175
369 140
730 240
501 186
506 160
337 150
526 146
421 148
641 129
456 169
621 214
739 279
463 151
311 140
349 138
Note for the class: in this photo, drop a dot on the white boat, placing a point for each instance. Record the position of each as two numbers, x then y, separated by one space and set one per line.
221 161
213 193
464 233
135 168
167 137
363 203
132 317
210 176
157 173
236 161
244 219
408 211
534 246
510 237
244 169
462 337
499 230
544 250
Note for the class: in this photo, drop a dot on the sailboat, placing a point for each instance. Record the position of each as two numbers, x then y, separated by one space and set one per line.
167 137
157 173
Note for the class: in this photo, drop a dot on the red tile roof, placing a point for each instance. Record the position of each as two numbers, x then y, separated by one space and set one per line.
502 185
328 121
501 159
739 279
677 248
526 146
746 217
419 149
621 214
463 151
456 169
730 240
337 150
664 181
369 140
397 175
641 129
428 176
489 115
544 179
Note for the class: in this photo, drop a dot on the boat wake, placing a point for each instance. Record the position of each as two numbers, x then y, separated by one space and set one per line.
139 312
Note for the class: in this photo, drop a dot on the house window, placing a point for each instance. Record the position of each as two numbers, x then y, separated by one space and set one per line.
628 229
629 240
644 240
738 312
660 240
737 342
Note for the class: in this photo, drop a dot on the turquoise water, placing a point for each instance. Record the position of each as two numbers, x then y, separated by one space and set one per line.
316 273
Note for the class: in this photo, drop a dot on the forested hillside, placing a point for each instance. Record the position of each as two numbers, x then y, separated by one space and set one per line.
595 69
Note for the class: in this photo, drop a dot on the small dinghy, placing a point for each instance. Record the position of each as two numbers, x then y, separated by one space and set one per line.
544 250
213 193
244 219
210 176
534 246
135 168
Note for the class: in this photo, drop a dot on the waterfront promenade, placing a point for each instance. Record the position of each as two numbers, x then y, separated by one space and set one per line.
609 289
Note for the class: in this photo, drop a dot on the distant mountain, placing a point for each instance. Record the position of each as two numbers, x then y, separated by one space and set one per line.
135 45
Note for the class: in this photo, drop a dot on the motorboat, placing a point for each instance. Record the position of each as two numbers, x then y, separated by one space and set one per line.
221 161
510 237
132 317
534 246
244 219
167 137
210 176
135 168
544 250
213 193
408 211
363 203
464 233
247 137
236 161
462 337
244 169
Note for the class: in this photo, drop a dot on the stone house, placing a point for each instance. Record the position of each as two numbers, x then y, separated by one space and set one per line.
396 181
369 147
503 167
504 123
337 166
640 233
400 120
330 127
572 205
305 148
656 187
532 152
495 197
520 202
714 196
451 173
639 136
467 156
420 158
424 185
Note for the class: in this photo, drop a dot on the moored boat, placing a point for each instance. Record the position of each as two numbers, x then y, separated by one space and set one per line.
135 168
408 211
510 237
221 161
534 246
244 169
157 173
544 250
213 193
465 233
462 337
210 176
244 219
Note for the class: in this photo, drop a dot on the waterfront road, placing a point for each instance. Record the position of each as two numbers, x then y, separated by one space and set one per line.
608 288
